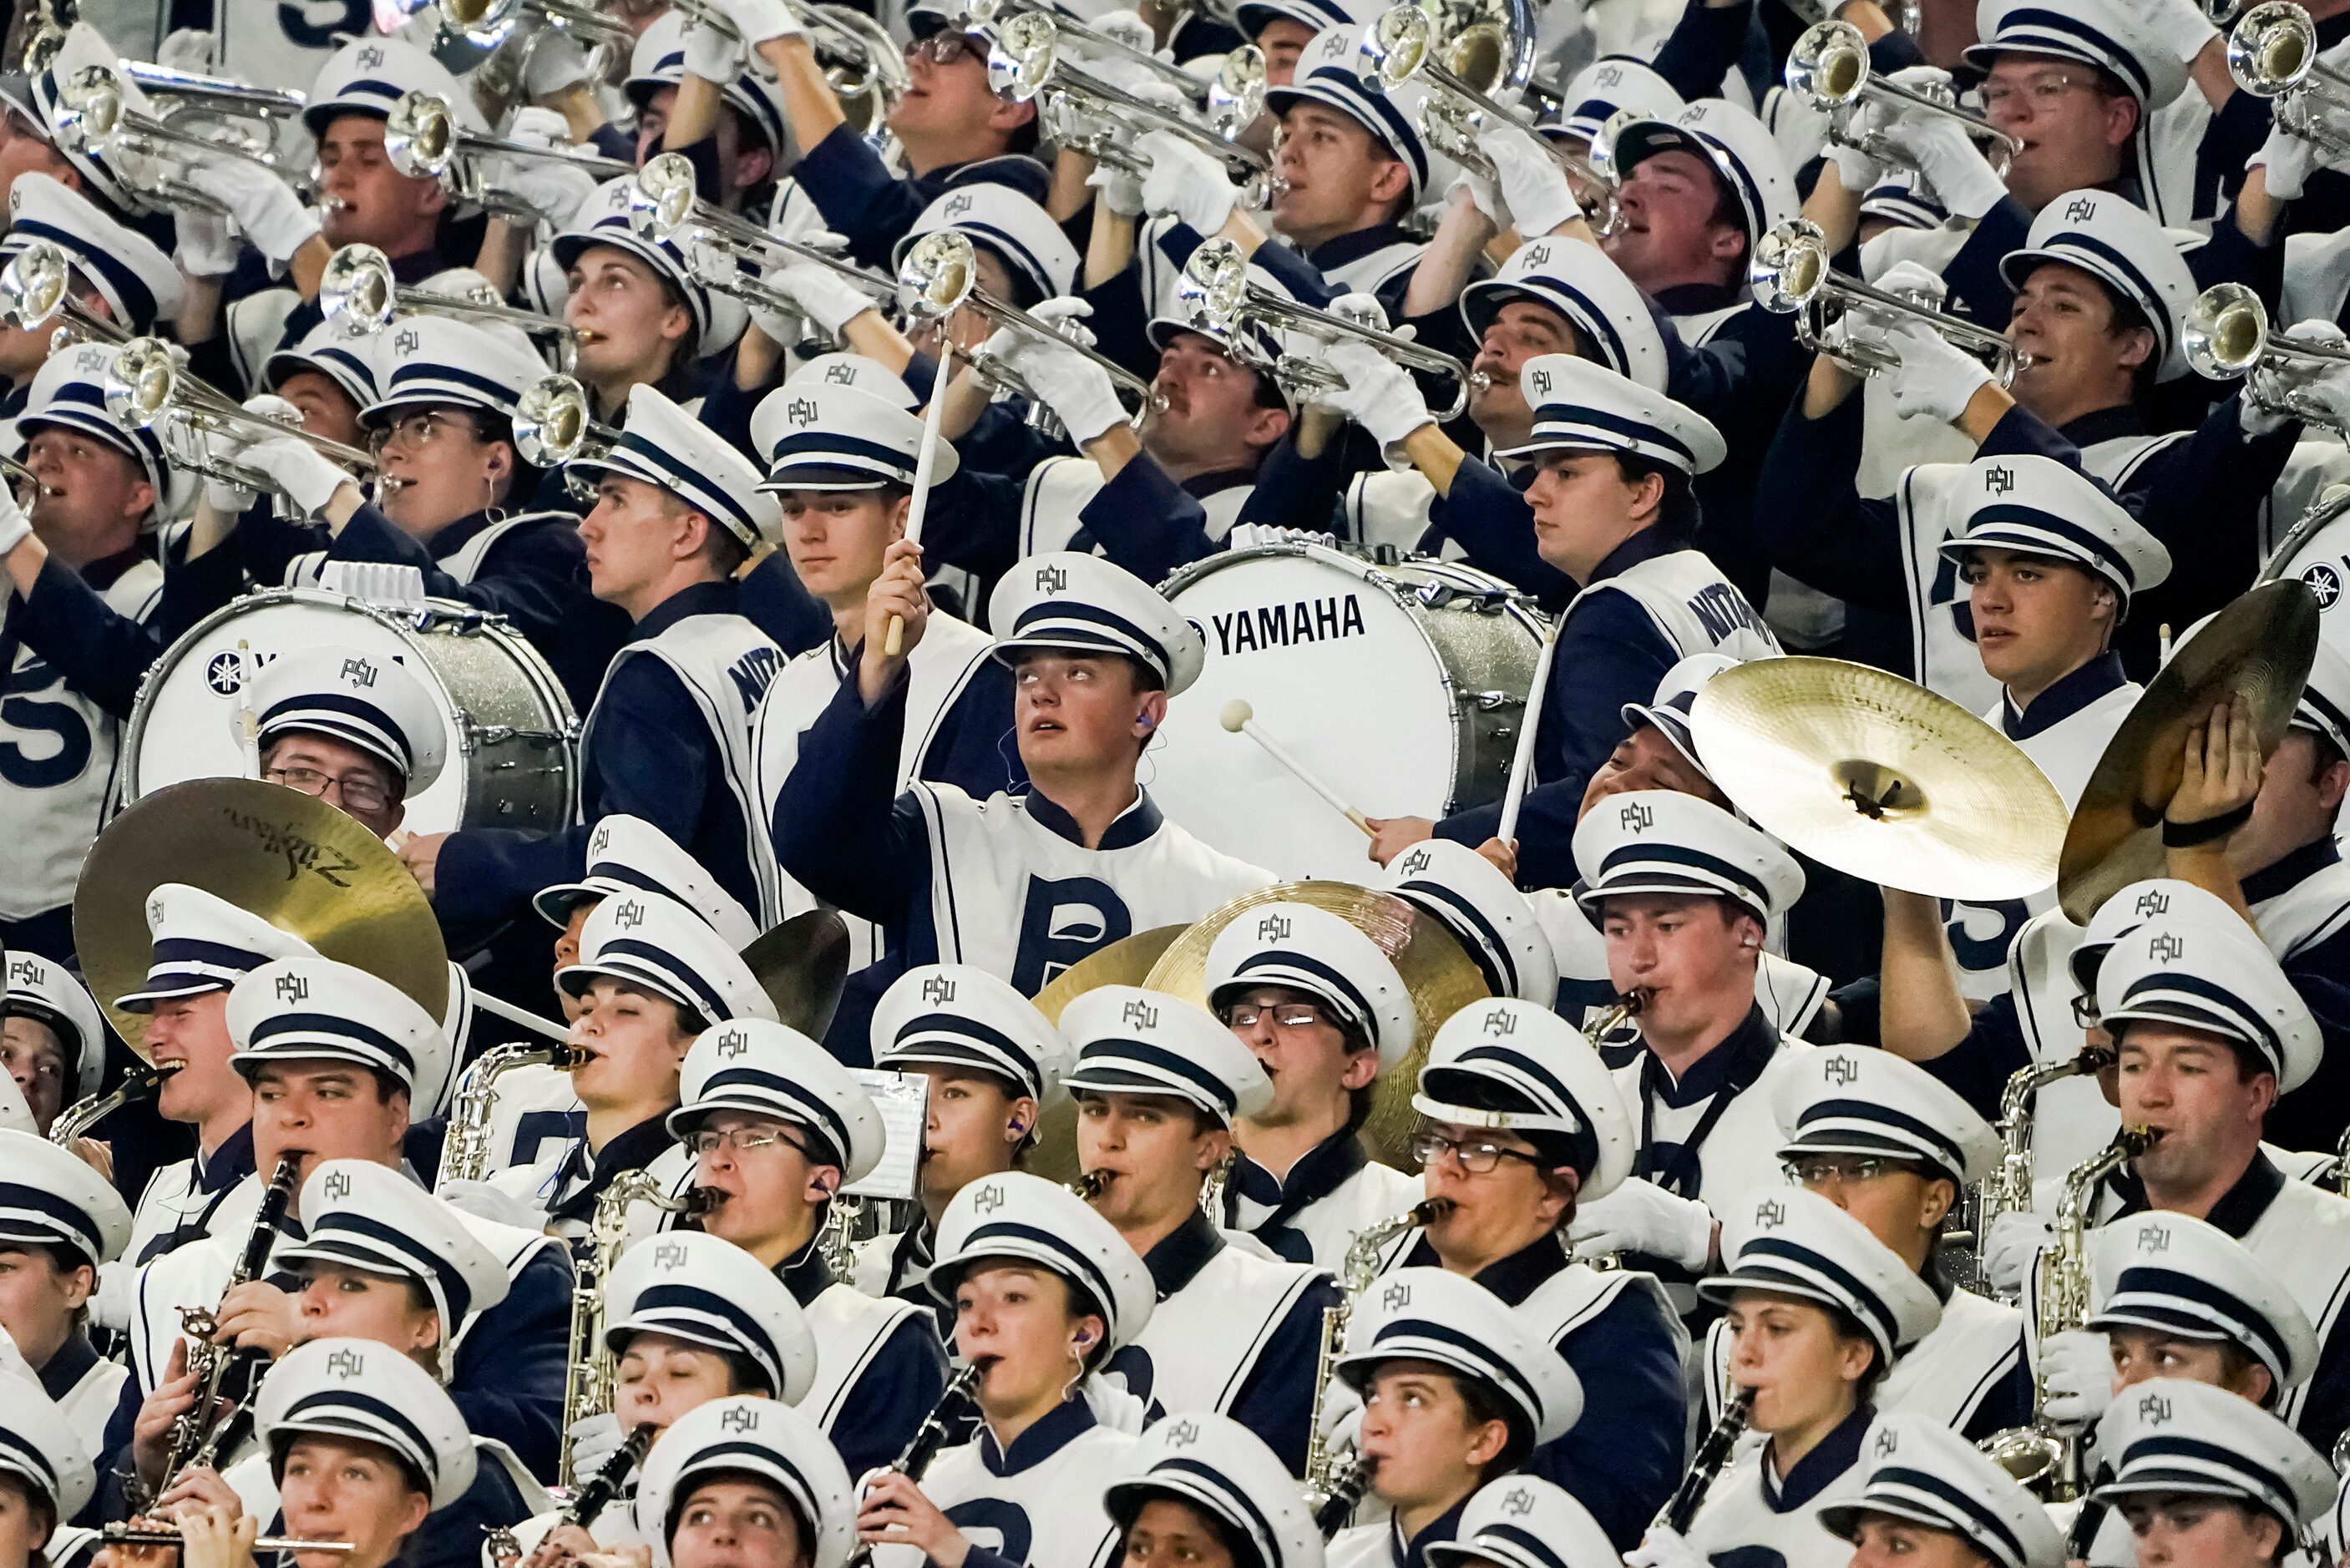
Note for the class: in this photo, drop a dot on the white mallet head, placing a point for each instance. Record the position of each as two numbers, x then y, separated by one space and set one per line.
1237 713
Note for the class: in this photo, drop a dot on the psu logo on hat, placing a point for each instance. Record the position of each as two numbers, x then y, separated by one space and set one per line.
1608 76
990 1198
1998 478
1536 255
1051 580
801 413
359 672
1141 1014
1416 862
1770 1215
1887 1442
1397 1294
407 342
1182 1434
338 1187
629 916
956 207
1273 929
1518 1503
733 1043
2154 1409
154 909
2154 1237
293 988
601 841
93 361
1500 1021
2167 949
938 989
741 1418
2152 903
1842 1070
1637 818
669 1255
2080 208
346 1364
841 375
25 968
1542 383
371 58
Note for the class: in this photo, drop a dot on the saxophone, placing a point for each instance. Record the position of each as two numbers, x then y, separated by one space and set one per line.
587 1385
465 1154
2039 1455
1333 1475
83 1114
2008 1189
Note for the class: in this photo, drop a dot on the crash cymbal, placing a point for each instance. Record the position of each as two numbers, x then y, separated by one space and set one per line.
1126 961
291 858
1436 968
2260 648
1879 778
802 964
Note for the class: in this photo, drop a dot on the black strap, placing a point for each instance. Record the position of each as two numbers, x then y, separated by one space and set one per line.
1744 1069
2187 835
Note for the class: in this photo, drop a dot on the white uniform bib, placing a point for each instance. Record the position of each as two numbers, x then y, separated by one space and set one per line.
1060 488
1205 1339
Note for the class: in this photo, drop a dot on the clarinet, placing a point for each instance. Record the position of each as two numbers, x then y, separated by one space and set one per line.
1711 1454
1347 1489
199 1436
931 1436
597 1495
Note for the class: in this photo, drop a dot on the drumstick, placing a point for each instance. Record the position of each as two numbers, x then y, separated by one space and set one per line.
893 643
1240 719
248 724
1521 761
484 1002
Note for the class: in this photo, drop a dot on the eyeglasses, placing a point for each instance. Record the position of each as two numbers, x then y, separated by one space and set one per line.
1285 1014
357 794
944 47
1478 1156
742 1140
1825 1169
2040 92
417 432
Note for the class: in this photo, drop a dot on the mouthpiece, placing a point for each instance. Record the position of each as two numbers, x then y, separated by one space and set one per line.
1236 714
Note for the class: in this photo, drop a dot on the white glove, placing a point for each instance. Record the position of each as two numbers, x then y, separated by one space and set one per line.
1121 192
1935 379
1127 27
2329 388
2015 1240
264 206
2290 160
1076 389
1379 394
207 248
230 499
1856 171
713 55
2078 1366
826 298
553 189
594 1439
495 1204
557 64
298 470
1664 1547
187 49
759 20
1533 186
2181 24
1641 1217
1483 194
1950 161
13 525
1186 182
227 499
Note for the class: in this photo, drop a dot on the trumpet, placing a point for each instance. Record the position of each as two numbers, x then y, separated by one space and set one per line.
19 477
996 15
1828 68
148 384
553 427
2226 336
939 275
119 1535
425 141
719 245
358 290
92 116
2272 53
35 290
1217 299
486 24
1461 75
863 64
83 1114
1790 276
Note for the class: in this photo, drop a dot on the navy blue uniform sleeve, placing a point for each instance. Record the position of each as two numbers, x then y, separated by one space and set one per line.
1977 1067
1813 524
2020 432
100 653
971 746
1979 290
2009 1402
509 1373
450 1537
2202 497
1490 520
840 827
1277 1402
1623 1458
973 520
113 1499
881 1412
2312 1116
861 201
536 582
1703 47
1145 522
2325 1407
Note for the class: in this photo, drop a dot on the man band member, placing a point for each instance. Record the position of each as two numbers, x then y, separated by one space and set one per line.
1933 1499
2206 1478
51 1042
1326 1013
746 1480
1205 1489
60 1222
1158 1084
349 726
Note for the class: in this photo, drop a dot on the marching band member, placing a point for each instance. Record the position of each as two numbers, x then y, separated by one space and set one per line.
776 1129
752 145
1456 1391
646 318
363 727
45 1478
1202 1485
1522 1126
34 147
1158 1084
116 274
1612 510
1324 1011
1524 1522
994 1064
1932 1498
1022 886
669 741
60 1222
626 853
1819 1311
747 1481
1045 1293
52 1042
2207 1477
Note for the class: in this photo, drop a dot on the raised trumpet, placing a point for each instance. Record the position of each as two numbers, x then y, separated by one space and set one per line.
1791 275
863 64
553 427
425 141
995 14
2226 336
1828 68
92 114
147 385
2272 53
1216 299
486 24
36 288
358 291
664 209
1461 75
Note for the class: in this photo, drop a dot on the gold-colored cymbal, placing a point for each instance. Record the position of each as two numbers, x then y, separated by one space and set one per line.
1436 968
2260 648
1881 778
802 964
291 858
1126 961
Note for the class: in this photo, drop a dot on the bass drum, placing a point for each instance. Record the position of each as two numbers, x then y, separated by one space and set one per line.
1401 685
512 736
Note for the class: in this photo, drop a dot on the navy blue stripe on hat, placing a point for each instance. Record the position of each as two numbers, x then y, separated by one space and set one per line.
1298 964
1170 1063
1650 853
1056 613
1960 1503
321 1030
359 371
2204 1293
1010 249
1807 1260
367 87
173 951
1991 519
306 710
24 1453
316 1408
1491 950
1596 323
2195 1449
2149 299
664 966
72 1223
380 1239
1484 1362
669 462
1340 86
496 392
1734 169
1877 1111
821 442
1583 1139
1522 1540
2110 54
1093 1279
662 1302
1603 419
985 1041
814 1112
2223 1006
1235 1497
727 1454
137 299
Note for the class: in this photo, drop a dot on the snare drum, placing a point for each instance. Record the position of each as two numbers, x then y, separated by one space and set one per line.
512 736
1402 686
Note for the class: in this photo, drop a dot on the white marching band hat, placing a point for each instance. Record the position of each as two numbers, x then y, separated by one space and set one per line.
959 1015
438 360
663 446
1792 1242
379 705
1608 87
50 1196
645 940
69 392
84 46
331 351
1525 1521
1484 911
1216 1465
2116 242
1014 229
1432 1314
1131 1041
202 942
1662 841
657 61
38 1443
843 369
829 435
2178 1275
358 1388
1304 948
361 1215
2220 982
1581 405
2325 705
1068 601
1331 71
2156 898
1921 1472
2169 1438
1668 712
1015 1215
2114 38
1852 1099
314 1008
706 1291
2038 506
603 220
1580 283
1517 1067
1739 147
48 992
139 282
629 855
764 1068
1312 14
371 76
763 1438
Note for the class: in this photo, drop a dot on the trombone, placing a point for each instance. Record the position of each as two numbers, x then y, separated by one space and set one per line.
2226 336
1828 69
425 141
939 275
995 15
35 290
92 116
2272 53
664 209
1790 276
358 290
1402 45
1216 299
148 384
